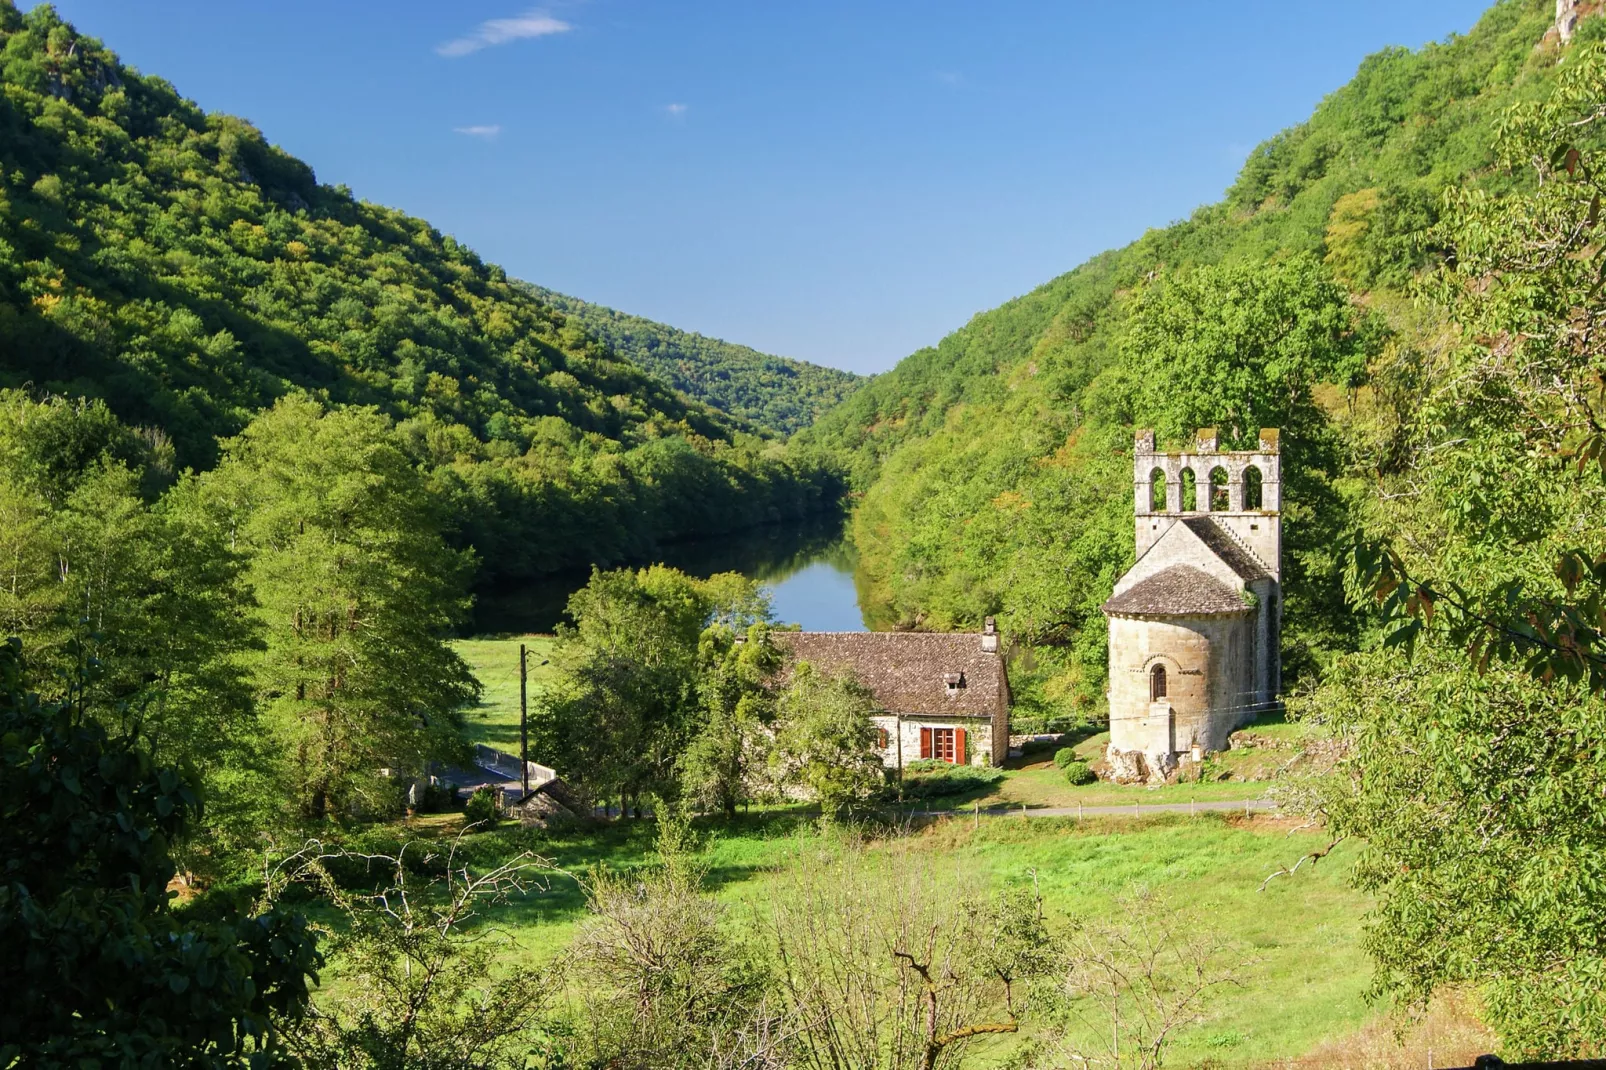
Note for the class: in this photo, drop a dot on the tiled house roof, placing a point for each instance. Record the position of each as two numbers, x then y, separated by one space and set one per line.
908 671
1178 591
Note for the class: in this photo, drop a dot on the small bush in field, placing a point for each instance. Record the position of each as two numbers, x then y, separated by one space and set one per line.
1064 756
1079 773
481 806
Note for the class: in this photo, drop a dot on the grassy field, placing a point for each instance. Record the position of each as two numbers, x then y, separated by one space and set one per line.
494 721
1301 992
1035 782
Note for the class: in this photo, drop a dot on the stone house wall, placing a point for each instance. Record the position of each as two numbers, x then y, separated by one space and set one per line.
980 746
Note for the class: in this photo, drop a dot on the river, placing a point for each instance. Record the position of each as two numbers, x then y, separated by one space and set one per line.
809 570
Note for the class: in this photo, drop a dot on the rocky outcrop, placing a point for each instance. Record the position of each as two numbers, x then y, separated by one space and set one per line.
1126 766
1136 767
1567 16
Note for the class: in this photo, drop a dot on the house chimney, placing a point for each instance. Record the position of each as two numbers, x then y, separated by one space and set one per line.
989 636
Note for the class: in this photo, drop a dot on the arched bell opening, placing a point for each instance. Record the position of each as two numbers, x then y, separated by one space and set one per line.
1218 490
1252 488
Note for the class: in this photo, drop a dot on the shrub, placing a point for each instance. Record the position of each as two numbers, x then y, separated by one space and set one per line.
481 806
1079 773
941 778
1064 757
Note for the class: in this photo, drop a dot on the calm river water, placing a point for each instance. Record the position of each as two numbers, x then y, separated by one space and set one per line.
808 569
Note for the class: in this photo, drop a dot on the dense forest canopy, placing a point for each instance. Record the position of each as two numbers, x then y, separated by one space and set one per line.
177 265
775 393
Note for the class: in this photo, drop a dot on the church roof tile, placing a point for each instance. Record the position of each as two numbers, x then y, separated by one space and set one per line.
1178 591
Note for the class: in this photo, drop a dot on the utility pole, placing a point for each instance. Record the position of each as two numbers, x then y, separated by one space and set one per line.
524 726
900 757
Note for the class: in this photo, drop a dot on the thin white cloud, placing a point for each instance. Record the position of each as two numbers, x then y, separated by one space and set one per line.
950 77
487 131
492 32
674 111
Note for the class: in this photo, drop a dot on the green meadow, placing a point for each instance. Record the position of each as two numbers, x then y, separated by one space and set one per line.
494 720
1302 987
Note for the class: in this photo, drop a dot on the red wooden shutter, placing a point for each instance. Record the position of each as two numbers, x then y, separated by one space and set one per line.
959 746
925 743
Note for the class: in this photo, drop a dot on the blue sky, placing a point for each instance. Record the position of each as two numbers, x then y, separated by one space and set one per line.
841 182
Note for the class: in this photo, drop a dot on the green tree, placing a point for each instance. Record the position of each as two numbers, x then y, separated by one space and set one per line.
355 591
152 587
1470 736
1240 348
825 740
1480 806
96 964
626 704
728 755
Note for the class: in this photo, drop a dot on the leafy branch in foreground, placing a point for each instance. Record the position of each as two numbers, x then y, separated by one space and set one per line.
423 990
95 963
1552 638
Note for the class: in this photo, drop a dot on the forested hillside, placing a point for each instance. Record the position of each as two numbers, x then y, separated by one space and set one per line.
177 265
993 465
775 393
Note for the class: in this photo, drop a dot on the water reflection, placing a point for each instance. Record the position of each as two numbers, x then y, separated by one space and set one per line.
809 569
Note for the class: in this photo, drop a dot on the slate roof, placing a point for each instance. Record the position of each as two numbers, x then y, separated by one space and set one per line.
1229 549
1178 591
906 670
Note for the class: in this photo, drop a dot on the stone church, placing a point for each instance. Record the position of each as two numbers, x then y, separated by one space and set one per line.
1195 624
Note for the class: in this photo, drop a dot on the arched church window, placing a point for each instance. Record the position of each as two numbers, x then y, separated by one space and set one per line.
1252 488
1218 489
1190 491
1157 491
1157 683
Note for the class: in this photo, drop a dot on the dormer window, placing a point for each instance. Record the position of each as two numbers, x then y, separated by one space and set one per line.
955 682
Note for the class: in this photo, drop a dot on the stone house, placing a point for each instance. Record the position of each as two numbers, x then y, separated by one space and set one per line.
945 695
1195 624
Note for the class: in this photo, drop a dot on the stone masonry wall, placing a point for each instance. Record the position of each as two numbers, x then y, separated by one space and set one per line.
978 737
1209 669
1185 548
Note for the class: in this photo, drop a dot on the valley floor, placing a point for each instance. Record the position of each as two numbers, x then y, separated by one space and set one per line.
1300 1000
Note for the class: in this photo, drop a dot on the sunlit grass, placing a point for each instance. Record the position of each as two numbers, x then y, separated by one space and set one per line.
1303 987
495 663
